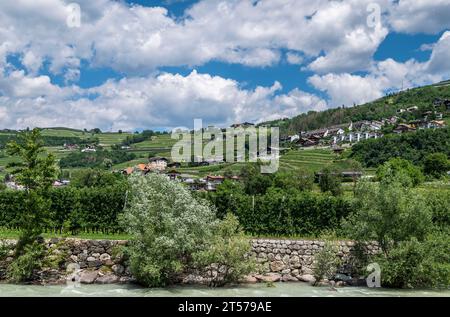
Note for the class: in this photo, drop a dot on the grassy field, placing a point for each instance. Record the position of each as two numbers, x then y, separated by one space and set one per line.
14 234
108 139
63 132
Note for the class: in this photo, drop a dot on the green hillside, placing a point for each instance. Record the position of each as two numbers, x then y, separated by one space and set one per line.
386 107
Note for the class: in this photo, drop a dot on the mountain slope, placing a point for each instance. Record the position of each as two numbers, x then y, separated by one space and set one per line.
422 97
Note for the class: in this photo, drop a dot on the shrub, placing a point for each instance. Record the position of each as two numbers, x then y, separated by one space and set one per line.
414 264
227 251
21 269
404 223
168 226
439 203
436 165
388 213
326 262
400 170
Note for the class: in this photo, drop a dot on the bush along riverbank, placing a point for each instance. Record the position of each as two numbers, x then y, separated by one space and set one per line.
106 262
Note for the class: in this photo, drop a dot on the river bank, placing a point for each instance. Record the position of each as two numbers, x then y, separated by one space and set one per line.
104 262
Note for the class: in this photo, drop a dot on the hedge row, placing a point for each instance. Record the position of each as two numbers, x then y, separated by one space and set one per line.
73 209
280 212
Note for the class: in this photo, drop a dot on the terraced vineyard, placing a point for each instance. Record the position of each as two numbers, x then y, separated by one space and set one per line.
312 159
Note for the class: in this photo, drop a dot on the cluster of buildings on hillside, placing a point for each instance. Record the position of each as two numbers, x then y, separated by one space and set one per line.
358 131
161 165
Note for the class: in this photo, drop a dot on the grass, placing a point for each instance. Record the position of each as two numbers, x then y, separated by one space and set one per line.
109 139
63 132
14 234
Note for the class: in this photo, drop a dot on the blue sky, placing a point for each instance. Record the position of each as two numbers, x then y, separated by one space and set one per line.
160 64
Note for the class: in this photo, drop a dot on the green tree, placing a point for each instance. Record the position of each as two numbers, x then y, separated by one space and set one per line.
255 183
300 180
36 171
414 253
107 163
415 264
388 213
171 229
96 178
330 180
436 165
400 170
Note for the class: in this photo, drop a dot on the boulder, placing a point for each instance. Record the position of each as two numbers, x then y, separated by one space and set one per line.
107 279
308 278
249 279
289 278
88 277
270 277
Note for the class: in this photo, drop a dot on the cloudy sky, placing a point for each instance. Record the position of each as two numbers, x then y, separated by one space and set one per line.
160 64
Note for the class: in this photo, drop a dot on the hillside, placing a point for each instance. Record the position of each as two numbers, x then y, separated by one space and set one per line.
422 97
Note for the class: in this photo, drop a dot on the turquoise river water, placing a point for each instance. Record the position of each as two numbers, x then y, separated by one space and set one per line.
254 290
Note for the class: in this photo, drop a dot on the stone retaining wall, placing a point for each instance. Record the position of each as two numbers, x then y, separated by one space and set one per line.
101 261
292 260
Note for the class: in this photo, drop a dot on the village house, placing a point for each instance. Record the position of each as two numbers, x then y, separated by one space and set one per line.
355 137
71 147
128 171
157 164
436 124
305 142
403 128
88 149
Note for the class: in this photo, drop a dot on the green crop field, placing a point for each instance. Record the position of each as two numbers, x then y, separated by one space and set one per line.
157 142
309 159
63 132
109 139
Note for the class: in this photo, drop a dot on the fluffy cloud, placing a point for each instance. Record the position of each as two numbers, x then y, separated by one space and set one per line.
420 16
439 62
136 38
330 38
165 100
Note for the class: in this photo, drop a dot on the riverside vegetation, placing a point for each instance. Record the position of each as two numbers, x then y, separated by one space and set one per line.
173 230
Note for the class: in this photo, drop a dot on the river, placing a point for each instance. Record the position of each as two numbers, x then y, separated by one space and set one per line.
254 290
